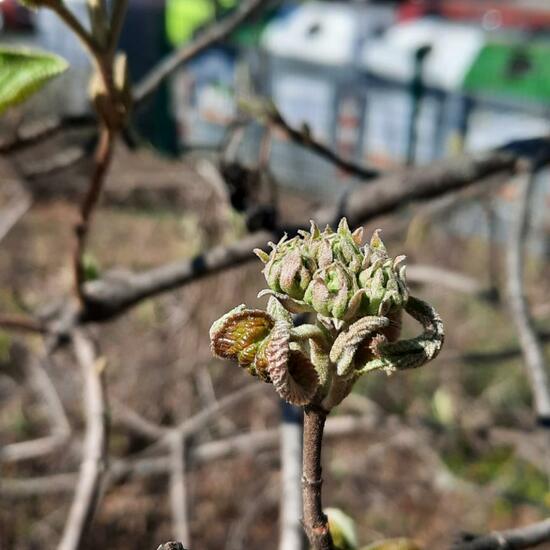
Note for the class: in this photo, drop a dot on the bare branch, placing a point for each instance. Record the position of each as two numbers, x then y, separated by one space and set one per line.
94 453
529 342
117 22
453 280
178 488
34 448
109 296
35 132
51 165
13 212
290 505
529 536
131 420
211 36
21 323
247 444
306 140
102 160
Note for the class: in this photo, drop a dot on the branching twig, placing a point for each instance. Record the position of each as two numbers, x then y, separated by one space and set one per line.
94 453
211 36
106 298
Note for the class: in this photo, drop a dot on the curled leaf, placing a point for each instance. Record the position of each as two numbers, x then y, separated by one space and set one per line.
239 333
291 372
413 353
347 343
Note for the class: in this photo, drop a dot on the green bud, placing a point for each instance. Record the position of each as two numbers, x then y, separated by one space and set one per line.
383 280
331 290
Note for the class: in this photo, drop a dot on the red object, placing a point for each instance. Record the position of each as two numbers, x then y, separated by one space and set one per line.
509 14
15 17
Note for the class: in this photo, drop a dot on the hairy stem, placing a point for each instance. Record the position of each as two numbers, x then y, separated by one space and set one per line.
315 521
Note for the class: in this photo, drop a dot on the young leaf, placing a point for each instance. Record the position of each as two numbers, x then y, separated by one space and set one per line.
24 71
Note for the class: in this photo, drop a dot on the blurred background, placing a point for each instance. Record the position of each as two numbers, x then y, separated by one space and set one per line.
384 85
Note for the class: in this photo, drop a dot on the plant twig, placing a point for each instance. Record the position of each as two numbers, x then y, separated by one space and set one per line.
106 298
13 212
178 488
36 132
102 160
315 521
291 531
94 452
213 34
529 536
306 140
528 339
117 21
21 323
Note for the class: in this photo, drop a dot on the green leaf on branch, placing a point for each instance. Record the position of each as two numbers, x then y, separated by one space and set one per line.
23 72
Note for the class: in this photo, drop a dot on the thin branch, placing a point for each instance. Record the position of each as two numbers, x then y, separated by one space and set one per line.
529 536
315 521
43 385
529 342
249 444
178 488
130 419
67 16
208 38
22 324
290 504
102 160
34 448
57 163
306 140
94 453
109 296
59 423
117 21
446 278
13 212
36 132
200 420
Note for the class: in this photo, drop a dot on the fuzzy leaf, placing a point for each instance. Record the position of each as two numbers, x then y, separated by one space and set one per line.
345 346
291 372
238 334
413 353
23 72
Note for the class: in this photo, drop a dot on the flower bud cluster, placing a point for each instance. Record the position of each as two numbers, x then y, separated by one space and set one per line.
334 275
357 293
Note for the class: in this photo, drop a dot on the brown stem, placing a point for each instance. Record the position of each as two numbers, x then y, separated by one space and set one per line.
315 521
102 159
